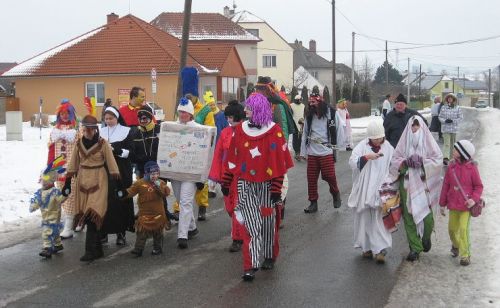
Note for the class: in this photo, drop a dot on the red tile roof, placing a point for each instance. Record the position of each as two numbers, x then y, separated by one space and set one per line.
128 45
204 26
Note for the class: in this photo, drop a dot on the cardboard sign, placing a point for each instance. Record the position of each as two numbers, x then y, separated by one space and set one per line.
123 97
185 152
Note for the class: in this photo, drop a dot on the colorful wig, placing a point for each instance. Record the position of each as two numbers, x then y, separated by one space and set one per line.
66 106
261 109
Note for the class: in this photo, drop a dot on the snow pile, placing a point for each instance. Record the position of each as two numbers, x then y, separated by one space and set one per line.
437 280
21 163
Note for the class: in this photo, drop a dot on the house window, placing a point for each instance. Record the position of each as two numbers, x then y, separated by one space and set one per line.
95 89
269 61
230 87
314 74
254 32
446 85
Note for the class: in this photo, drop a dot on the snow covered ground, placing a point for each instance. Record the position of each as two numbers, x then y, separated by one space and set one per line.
437 280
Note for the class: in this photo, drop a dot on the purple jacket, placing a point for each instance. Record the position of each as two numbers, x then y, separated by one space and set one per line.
469 178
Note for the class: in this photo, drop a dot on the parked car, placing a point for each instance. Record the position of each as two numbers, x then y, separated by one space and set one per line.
157 110
482 104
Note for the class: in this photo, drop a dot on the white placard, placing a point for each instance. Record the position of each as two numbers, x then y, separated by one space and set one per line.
185 152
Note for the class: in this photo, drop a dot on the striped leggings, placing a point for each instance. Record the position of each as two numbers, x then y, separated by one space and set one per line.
325 165
257 212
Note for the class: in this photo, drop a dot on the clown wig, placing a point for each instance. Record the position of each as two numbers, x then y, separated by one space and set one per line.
66 106
261 109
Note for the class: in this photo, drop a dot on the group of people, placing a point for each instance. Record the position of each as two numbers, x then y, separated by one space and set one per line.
90 173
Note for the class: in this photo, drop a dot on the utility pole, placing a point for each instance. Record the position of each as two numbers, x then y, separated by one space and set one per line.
184 48
386 70
352 66
408 81
334 75
489 87
420 84
458 68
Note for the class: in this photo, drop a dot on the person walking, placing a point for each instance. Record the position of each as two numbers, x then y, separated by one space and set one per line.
343 122
318 138
298 117
129 112
435 126
386 106
417 164
370 161
450 117
462 188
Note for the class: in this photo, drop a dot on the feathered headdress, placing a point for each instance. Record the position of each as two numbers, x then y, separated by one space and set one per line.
54 168
70 109
90 104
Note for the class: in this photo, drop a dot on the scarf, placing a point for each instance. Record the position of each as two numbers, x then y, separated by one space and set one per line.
149 127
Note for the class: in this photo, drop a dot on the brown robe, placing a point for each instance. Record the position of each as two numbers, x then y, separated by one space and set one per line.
91 193
151 217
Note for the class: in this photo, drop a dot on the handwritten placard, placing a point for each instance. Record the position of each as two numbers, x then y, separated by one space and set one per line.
185 152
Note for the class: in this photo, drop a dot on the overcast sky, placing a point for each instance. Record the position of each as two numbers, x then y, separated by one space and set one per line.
33 26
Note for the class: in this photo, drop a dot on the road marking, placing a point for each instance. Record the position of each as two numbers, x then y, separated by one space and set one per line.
14 297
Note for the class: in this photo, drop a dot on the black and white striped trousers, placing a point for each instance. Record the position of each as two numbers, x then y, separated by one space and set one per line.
254 204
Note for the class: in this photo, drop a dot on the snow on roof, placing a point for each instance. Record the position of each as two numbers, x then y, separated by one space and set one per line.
246 16
209 71
30 65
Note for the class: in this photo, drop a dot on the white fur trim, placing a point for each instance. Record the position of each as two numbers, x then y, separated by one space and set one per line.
65 134
253 131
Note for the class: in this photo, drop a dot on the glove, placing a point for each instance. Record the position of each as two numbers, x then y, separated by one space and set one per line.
225 190
200 185
448 121
66 191
157 183
119 192
442 210
275 197
117 151
414 161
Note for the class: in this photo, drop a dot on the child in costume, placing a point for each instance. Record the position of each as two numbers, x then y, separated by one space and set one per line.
344 130
235 114
258 160
62 140
49 199
151 219
462 188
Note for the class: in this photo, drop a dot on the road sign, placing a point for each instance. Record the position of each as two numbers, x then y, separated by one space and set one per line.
153 74
153 87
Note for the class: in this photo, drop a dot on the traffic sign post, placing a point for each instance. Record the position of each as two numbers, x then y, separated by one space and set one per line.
153 82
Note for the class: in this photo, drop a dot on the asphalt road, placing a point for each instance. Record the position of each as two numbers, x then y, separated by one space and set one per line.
318 266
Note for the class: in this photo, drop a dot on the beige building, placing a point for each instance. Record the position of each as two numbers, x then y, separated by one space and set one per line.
274 54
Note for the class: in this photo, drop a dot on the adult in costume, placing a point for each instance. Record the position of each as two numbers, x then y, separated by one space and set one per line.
417 162
258 160
129 112
184 191
235 114
450 116
370 161
120 214
318 138
91 161
298 117
62 140
145 140
343 122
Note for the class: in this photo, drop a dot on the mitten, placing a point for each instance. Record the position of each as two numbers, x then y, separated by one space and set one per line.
117 151
200 185
66 191
448 121
417 161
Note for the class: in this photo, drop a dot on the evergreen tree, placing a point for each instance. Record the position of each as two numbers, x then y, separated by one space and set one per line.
394 76
326 95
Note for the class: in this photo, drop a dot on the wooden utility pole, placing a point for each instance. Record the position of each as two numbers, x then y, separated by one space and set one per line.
334 75
489 87
184 48
352 67
408 81
420 84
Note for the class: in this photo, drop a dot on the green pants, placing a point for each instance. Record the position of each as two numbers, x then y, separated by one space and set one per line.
414 241
458 228
449 140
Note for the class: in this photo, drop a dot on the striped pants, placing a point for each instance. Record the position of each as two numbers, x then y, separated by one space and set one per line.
325 165
258 216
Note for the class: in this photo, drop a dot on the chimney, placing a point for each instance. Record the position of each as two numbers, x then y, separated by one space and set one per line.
300 43
226 11
312 46
112 17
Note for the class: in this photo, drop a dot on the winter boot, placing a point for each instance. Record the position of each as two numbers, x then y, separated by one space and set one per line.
58 248
412 256
120 239
193 233
136 252
182 243
426 243
367 254
202 212
312 208
235 246
156 251
46 253
464 261
249 275
93 245
337 201
454 252
380 257
268 264
68 227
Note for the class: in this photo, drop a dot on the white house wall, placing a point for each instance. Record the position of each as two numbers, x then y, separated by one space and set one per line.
248 56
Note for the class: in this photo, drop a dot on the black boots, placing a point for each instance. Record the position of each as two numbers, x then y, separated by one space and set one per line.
268 264
412 256
249 275
202 212
312 208
427 245
193 233
337 201
182 243
235 246
93 244
46 253
120 239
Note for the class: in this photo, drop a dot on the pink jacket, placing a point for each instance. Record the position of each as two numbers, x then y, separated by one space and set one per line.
469 178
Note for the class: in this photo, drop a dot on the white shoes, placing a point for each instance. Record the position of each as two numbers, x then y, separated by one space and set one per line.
68 227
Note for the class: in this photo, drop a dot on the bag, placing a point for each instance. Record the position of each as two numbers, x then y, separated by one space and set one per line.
476 209
392 219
